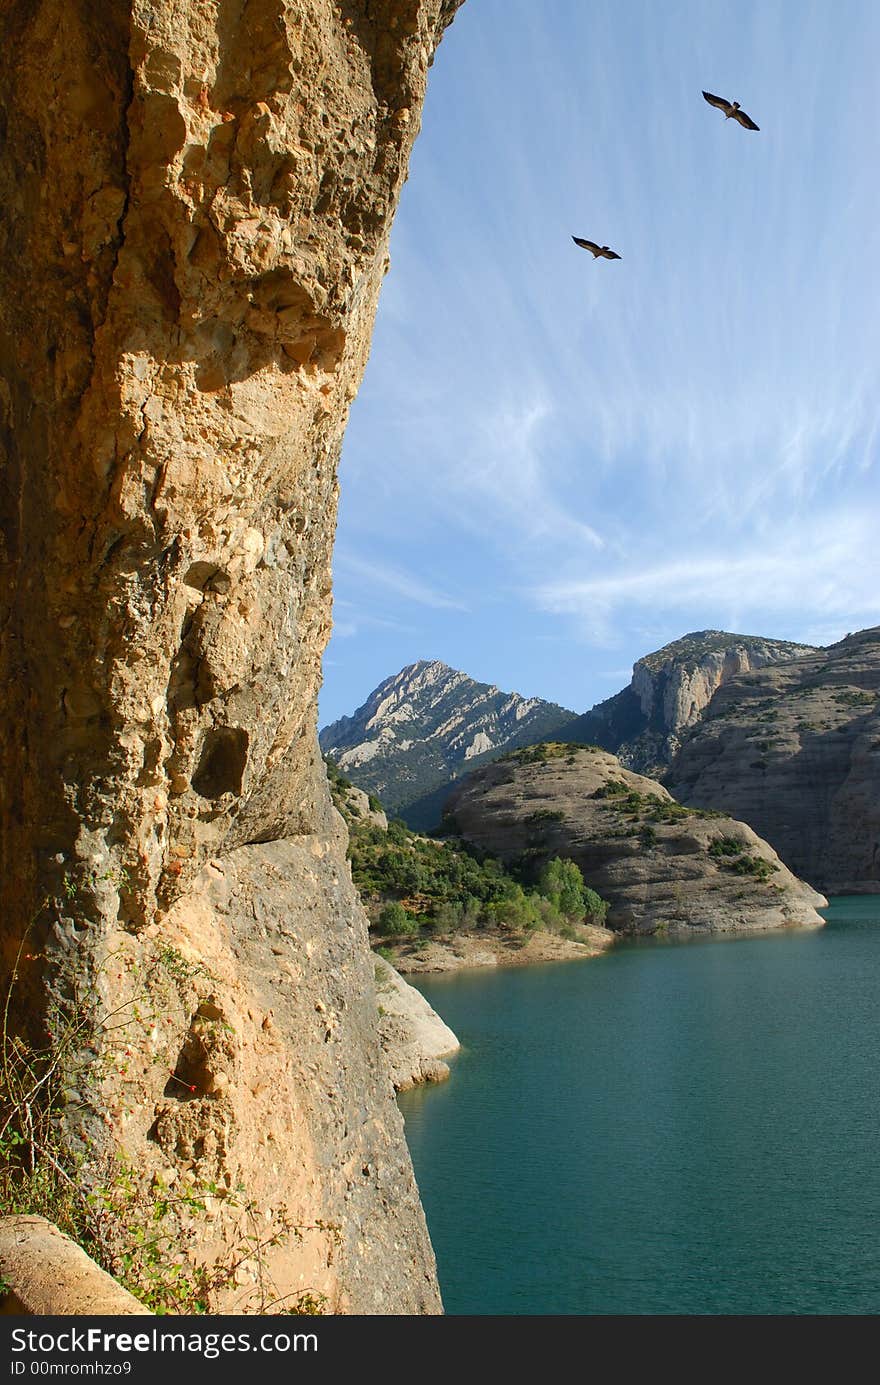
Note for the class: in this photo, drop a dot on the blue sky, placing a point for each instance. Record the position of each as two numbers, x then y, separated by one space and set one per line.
556 465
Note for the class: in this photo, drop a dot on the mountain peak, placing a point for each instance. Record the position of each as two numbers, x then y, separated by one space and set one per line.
422 726
670 691
698 644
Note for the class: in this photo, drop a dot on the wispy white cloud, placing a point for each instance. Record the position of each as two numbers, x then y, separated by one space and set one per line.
688 437
513 474
398 581
355 620
827 572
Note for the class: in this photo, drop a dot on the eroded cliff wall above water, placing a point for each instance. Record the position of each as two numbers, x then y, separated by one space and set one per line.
197 197
794 749
670 691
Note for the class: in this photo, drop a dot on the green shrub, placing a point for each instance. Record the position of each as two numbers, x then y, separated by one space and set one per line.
611 789
561 882
725 846
731 853
410 883
755 866
545 815
516 911
595 907
335 775
395 922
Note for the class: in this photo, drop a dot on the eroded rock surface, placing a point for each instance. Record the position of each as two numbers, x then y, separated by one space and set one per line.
795 750
42 1272
670 692
661 867
197 201
414 1038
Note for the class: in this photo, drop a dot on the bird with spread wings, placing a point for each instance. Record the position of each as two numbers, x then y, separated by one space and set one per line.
596 250
731 109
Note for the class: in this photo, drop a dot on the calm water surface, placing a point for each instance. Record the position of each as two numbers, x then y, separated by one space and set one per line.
670 1128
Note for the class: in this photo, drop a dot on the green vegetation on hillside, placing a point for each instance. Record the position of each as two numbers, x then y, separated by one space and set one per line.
731 853
545 750
648 808
413 885
854 697
336 778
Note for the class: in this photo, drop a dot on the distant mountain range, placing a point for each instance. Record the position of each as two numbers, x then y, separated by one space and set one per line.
424 728
419 731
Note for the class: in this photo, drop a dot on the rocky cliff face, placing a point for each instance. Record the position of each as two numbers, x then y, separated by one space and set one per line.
422 728
670 691
795 750
197 201
414 1038
662 867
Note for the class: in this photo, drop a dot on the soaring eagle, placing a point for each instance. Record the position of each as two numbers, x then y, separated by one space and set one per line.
731 108
596 250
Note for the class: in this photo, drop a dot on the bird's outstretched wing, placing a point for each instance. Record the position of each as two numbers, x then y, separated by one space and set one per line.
745 120
611 254
717 101
587 245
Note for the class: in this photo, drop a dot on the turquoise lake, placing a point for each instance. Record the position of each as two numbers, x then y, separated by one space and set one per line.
670 1128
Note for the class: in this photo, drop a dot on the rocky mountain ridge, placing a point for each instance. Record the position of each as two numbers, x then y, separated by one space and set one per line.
794 749
422 727
670 691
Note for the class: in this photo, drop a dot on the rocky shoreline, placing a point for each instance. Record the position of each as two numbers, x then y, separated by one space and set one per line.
468 951
413 1037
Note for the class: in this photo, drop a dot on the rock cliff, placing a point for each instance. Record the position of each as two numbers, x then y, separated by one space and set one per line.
670 691
414 1038
795 750
427 725
663 868
197 201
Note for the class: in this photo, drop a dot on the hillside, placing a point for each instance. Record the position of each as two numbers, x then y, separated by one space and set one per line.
420 729
663 868
670 691
437 904
795 750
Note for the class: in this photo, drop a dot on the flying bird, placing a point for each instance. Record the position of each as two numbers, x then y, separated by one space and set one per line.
596 250
731 108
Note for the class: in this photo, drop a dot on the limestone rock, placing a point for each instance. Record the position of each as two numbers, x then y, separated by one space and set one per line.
44 1273
795 750
670 691
197 203
356 806
661 867
497 948
414 1038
